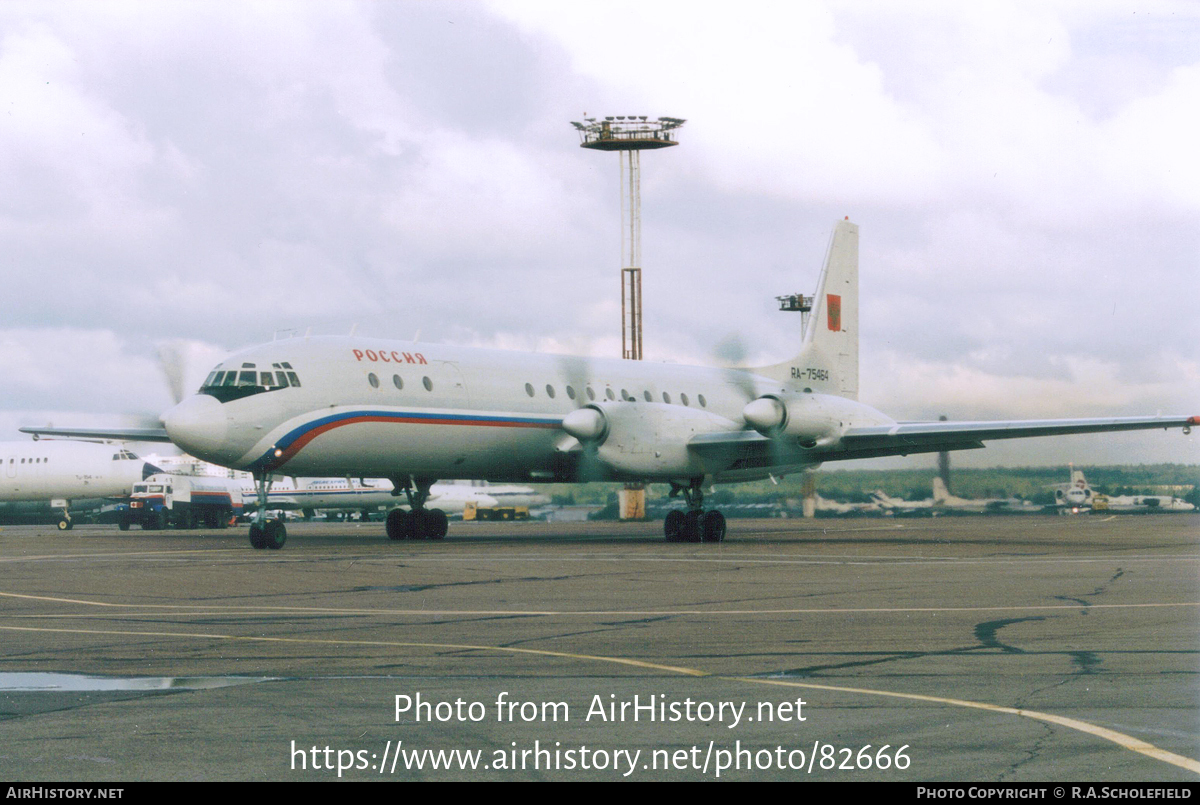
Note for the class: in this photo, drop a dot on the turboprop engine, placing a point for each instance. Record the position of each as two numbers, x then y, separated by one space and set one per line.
644 440
815 420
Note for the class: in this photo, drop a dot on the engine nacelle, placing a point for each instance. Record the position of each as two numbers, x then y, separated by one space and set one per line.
809 418
645 440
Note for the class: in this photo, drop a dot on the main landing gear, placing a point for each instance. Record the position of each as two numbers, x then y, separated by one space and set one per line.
695 524
265 533
420 523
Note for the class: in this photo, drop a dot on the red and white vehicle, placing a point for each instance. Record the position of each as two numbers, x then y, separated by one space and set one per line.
183 501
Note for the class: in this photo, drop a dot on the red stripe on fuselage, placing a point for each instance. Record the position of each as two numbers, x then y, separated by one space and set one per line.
301 441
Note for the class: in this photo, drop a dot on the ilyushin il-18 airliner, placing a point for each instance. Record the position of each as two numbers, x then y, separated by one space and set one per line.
413 413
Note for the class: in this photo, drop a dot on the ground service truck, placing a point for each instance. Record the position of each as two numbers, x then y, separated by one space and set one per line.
182 501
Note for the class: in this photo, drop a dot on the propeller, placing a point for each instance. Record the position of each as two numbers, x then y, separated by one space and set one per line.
587 425
766 415
171 362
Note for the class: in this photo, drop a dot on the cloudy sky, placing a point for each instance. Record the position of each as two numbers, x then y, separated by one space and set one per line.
1025 176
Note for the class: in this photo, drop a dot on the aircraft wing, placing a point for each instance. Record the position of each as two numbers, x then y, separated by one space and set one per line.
924 437
749 449
114 434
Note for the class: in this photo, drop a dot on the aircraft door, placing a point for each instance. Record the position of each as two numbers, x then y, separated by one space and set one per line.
455 392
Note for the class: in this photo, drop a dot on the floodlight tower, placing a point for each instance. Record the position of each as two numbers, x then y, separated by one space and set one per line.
629 135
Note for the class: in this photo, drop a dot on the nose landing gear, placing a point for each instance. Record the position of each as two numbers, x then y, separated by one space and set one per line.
265 533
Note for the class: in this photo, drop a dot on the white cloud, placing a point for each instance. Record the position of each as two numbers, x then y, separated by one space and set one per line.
1024 175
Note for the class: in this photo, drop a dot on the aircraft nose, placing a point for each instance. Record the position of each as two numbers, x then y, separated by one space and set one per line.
198 425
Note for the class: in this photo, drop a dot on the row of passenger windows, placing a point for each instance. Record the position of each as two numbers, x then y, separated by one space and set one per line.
398 382
551 392
120 455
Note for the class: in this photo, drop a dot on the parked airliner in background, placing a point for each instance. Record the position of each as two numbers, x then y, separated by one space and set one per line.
66 476
1128 504
414 413
1079 494
942 499
821 504
1075 495
900 505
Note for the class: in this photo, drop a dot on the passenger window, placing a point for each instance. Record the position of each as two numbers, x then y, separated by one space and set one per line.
666 398
683 398
703 402
373 380
428 383
570 392
646 394
550 391
397 382
529 389
609 394
591 394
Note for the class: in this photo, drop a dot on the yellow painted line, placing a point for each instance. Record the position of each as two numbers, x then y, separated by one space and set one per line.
1120 739
209 609
376 643
119 554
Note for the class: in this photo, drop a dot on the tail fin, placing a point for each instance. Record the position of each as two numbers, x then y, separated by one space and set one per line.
828 357
1077 479
1079 485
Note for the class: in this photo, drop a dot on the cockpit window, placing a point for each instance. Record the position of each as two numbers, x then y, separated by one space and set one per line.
123 455
228 385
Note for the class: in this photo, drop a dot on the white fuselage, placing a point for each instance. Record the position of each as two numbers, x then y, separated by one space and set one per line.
365 408
1148 503
53 470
